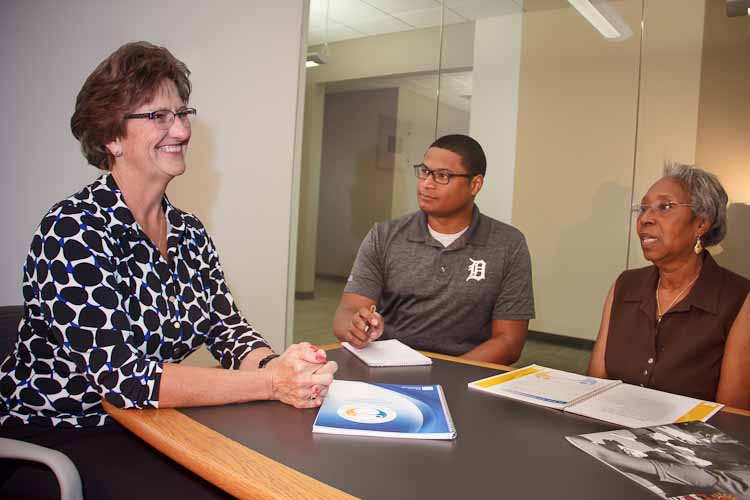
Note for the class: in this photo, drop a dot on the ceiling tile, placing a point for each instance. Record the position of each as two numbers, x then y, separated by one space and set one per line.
318 7
343 33
350 12
336 33
424 85
381 26
425 18
317 16
357 18
480 9
397 6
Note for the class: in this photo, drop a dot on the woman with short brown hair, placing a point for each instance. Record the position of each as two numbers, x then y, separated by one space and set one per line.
119 287
125 80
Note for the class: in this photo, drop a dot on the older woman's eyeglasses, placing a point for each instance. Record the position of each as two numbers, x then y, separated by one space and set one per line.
659 207
422 171
164 118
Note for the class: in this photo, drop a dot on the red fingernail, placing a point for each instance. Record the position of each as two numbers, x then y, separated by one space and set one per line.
320 357
315 390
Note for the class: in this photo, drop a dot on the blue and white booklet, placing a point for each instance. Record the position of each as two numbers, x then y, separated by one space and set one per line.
386 410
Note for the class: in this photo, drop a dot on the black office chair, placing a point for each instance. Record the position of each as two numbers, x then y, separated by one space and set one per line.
63 468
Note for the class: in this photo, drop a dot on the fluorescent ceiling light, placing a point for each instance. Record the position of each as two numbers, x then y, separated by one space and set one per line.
316 58
596 18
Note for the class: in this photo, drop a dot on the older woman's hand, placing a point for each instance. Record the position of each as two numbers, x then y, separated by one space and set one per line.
300 376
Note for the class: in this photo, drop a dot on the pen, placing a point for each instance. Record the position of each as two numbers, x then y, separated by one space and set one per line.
367 323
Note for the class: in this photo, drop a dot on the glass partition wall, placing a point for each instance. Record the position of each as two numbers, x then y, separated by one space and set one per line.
577 104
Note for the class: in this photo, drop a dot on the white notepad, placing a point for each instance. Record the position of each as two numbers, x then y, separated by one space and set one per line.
388 353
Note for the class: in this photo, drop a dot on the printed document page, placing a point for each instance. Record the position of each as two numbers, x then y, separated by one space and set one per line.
543 386
633 406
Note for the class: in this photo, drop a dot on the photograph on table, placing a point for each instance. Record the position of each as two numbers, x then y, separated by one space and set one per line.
690 460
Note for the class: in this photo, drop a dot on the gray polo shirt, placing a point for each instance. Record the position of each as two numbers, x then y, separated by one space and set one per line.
444 299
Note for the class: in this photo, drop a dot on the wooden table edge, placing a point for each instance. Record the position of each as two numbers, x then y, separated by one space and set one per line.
328 347
229 465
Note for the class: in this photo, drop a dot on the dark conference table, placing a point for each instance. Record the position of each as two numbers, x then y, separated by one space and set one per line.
504 448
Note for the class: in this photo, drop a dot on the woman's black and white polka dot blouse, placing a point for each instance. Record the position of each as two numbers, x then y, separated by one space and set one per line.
104 310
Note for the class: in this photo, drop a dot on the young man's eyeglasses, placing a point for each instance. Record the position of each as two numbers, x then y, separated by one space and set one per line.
659 207
164 118
422 171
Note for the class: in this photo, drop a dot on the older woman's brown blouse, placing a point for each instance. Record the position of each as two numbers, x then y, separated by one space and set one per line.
683 353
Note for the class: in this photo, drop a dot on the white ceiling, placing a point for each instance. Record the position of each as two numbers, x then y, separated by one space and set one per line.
455 87
349 19
337 20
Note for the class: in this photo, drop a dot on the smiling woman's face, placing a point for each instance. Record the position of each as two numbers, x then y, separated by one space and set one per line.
149 150
671 235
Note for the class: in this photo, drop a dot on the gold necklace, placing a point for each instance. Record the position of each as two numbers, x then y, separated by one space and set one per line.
659 314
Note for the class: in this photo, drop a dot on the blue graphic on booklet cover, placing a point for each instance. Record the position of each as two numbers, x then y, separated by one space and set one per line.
383 408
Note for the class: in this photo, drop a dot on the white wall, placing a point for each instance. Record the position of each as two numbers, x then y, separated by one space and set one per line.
356 174
577 111
245 56
309 194
494 108
415 131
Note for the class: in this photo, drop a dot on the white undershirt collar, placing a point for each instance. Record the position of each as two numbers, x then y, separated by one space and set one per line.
446 239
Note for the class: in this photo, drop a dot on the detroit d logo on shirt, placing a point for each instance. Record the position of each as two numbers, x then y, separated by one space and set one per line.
476 269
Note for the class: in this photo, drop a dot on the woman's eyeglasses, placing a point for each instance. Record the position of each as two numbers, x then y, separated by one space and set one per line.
164 118
659 207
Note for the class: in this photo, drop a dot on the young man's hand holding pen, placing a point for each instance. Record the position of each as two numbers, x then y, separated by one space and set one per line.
366 326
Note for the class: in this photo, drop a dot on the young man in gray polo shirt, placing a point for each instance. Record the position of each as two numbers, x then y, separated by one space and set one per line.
446 278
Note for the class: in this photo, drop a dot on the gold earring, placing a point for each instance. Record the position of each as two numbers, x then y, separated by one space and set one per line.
698 248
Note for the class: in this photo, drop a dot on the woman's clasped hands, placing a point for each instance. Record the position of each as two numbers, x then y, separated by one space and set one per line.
301 376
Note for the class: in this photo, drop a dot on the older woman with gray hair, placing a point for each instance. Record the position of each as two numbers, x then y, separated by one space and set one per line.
681 325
